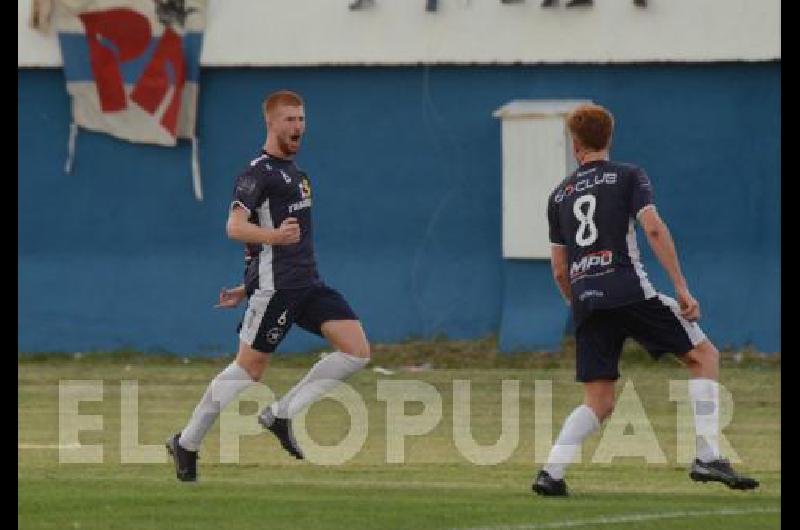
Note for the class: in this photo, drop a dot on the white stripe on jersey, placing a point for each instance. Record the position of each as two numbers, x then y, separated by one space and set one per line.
633 254
266 278
694 332
259 159
240 203
645 207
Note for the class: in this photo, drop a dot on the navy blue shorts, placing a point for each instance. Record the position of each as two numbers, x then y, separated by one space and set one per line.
655 323
270 314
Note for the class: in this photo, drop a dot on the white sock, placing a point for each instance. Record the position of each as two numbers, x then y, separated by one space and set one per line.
228 384
578 425
705 404
322 377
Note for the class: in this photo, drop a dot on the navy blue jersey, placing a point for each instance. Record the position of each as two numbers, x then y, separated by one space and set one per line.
593 213
272 189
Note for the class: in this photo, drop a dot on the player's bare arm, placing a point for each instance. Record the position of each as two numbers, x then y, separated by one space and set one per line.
558 262
663 246
239 228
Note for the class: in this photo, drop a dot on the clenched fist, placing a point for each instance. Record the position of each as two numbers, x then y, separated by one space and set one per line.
288 233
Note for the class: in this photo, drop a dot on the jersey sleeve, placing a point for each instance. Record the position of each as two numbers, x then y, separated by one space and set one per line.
641 194
555 225
249 190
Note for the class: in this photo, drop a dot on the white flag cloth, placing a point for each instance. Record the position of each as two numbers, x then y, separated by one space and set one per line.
132 68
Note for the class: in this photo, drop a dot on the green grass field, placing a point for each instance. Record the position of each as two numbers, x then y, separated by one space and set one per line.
436 487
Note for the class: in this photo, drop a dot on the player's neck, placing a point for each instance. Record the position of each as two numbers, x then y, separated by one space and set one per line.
274 150
592 156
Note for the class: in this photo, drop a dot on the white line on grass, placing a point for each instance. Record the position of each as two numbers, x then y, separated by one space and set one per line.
288 481
630 518
47 446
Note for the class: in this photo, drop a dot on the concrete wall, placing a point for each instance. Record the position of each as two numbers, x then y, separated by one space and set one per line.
406 166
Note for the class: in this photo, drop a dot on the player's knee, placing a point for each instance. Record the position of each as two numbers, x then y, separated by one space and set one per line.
256 374
705 355
602 406
255 370
606 408
254 363
359 349
712 360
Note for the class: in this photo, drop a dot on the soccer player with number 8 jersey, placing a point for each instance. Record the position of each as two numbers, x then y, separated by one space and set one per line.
592 216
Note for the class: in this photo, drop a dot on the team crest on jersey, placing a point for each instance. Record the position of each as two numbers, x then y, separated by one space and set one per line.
305 196
305 188
246 184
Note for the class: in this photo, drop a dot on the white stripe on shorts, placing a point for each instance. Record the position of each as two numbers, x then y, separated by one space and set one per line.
256 307
694 332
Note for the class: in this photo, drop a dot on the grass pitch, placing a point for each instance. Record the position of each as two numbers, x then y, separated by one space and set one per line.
436 487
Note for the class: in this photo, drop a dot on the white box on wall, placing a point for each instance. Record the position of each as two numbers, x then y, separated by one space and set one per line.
537 155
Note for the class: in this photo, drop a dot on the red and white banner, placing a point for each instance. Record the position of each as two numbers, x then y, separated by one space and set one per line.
132 67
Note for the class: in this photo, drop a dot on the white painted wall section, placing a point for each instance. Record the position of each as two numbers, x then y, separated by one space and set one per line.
326 32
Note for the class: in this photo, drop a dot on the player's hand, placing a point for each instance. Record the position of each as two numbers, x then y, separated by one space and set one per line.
288 233
690 308
230 298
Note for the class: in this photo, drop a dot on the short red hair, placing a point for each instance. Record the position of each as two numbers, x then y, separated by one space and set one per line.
591 125
279 98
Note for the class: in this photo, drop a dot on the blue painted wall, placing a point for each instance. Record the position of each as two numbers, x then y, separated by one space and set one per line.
406 167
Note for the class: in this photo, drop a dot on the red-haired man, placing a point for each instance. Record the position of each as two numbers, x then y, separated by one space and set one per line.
596 265
271 214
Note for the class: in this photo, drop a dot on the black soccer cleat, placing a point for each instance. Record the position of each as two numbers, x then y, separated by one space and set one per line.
282 429
185 461
548 486
721 471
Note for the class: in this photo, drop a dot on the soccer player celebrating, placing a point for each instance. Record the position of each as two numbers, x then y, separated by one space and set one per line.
271 214
596 265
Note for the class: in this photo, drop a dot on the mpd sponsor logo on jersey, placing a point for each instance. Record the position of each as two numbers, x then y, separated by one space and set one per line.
585 184
602 258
